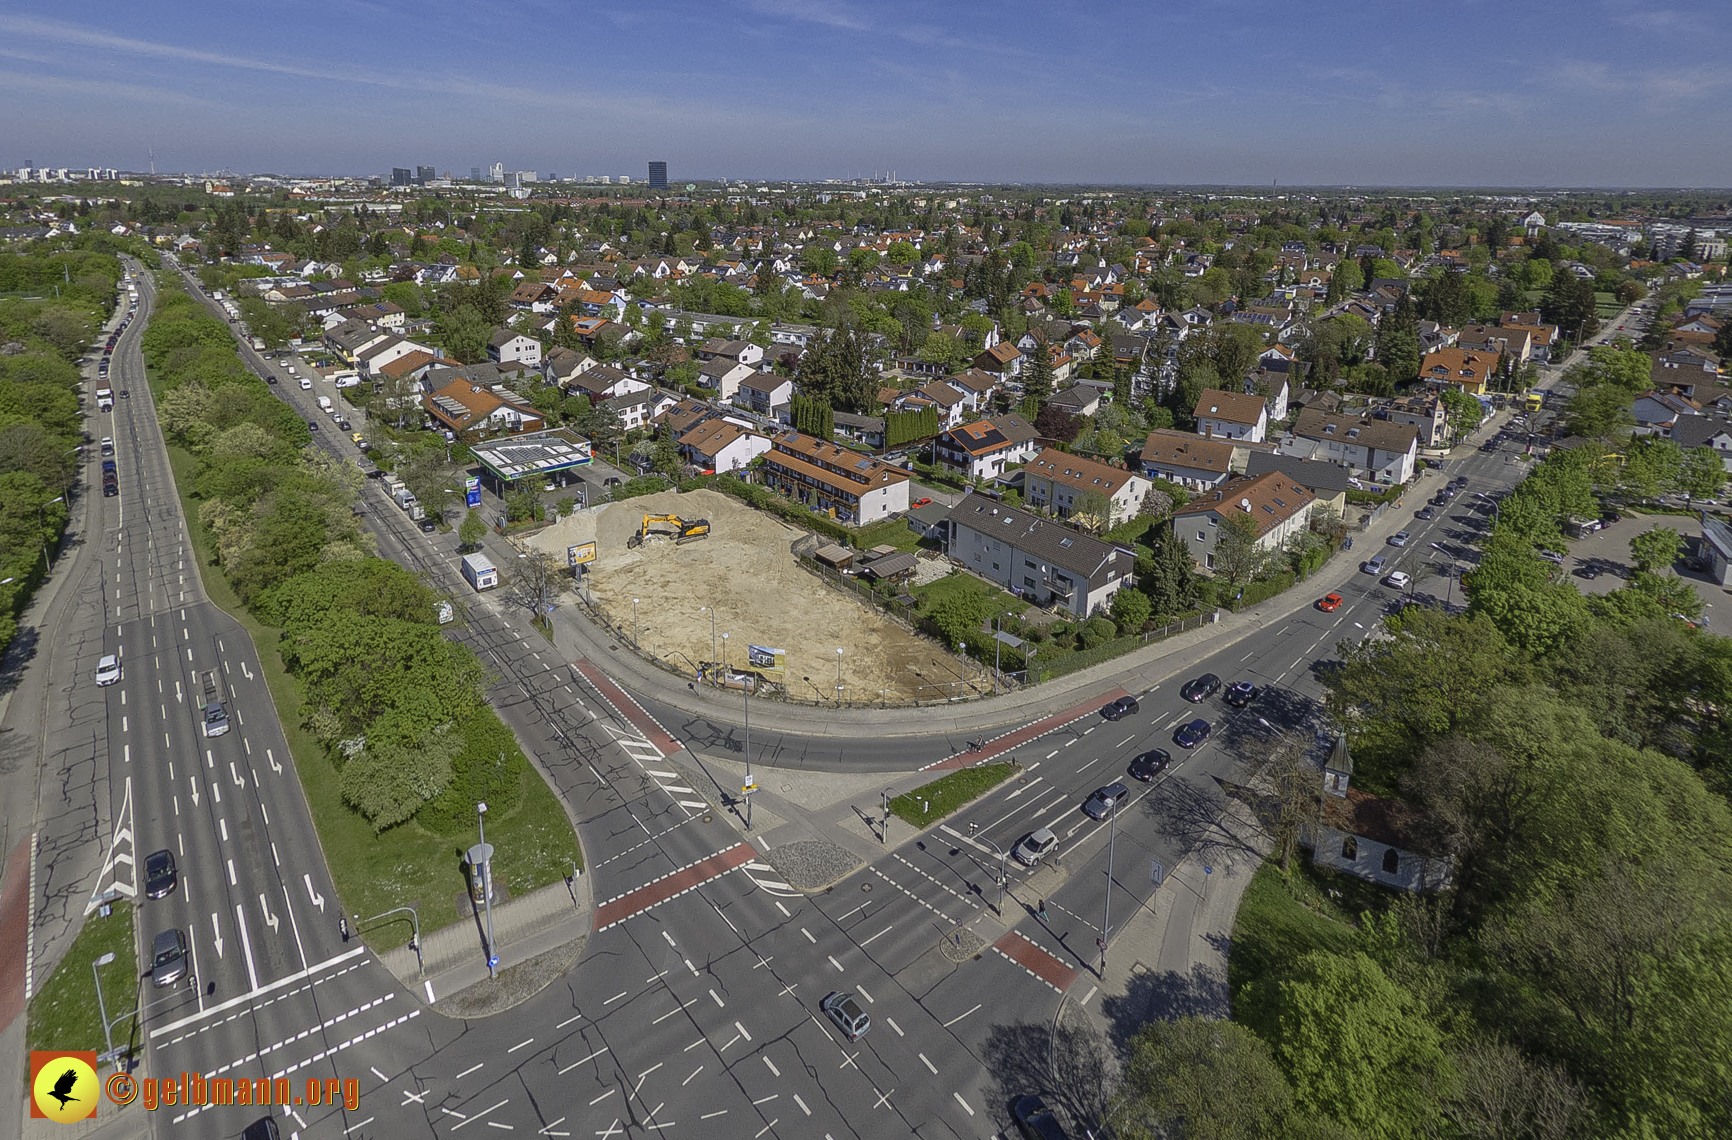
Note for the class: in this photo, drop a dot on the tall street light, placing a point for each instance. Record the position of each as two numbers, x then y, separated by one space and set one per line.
962 667
973 831
635 628
1107 912
724 658
101 1007
838 676
712 611
41 524
751 787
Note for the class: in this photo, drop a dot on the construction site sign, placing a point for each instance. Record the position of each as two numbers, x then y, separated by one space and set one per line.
576 556
771 663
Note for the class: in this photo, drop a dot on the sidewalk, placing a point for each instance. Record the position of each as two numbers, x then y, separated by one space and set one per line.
454 959
575 636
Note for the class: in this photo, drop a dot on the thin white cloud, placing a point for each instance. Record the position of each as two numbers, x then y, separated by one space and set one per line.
827 12
29 83
60 33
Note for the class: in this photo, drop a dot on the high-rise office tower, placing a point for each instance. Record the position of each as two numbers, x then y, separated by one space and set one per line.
658 175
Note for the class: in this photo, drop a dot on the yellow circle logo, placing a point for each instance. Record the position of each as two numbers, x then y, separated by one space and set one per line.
66 1089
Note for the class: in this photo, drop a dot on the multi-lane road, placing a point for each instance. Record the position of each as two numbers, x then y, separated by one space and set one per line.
694 1008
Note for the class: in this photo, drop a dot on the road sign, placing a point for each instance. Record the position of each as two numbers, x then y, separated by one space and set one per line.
1157 873
492 961
749 790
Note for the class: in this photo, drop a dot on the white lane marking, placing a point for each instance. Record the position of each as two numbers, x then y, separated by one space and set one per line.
1087 996
470 1069
742 1030
688 1080
802 1105
575 1064
959 1017
520 1045
866 995
892 1023
720 1004
808 935
957 1095
929 1065
771 1065
880 934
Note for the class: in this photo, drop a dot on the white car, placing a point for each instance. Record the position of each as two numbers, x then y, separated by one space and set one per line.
305 383
108 670
1398 580
1034 846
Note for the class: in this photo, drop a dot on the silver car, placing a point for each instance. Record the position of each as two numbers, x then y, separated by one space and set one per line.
841 1008
168 958
1034 846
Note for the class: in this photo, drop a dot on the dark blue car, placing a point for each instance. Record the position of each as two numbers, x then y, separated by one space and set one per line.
1192 734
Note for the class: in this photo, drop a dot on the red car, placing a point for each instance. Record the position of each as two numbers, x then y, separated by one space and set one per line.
1329 603
921 502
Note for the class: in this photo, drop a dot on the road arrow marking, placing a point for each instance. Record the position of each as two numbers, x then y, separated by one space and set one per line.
318 899
193 780
179 697
271 920
275 767
245 670
216 933
239 783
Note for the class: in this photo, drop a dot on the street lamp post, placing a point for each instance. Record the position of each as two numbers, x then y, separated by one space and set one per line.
962 667
41 524
635 628
1496 515
481 858
1107 912
838 676
724 658
712 610
101 1007
751 784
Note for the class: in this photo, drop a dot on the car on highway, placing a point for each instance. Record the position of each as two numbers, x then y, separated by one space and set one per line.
840 1007
107 669
427 526
160 876
1241 694
1196 690
264 1128
345 425
1120 708
312 425
1329 603
270 379
216 719
107 446
1193 734
1034 846
1399 538
109 490
1149 765
1100 804
1374 566
1425 514
1458 481
1398 580
305 383
1036 1121
168 958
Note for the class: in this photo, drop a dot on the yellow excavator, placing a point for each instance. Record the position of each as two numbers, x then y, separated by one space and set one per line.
684 530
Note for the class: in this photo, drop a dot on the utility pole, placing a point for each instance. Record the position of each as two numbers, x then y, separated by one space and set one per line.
1107 914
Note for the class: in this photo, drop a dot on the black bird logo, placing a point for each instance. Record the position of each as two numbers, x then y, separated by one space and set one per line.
62 1090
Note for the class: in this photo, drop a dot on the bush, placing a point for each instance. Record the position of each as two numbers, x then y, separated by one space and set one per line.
1262 590
1131 608
489 770
1098 630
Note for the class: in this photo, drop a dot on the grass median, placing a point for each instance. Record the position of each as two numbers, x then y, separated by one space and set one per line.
407 865
930 803
64 1014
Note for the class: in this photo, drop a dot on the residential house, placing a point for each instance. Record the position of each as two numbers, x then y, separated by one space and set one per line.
948 402
1192 461
1002 359
683 415
1037 559
1469 370
1370 837
1061 482
1423 411
368 361
1384 449
1517 343
1232 415
721 445
637 409
767 394
508 347
868 430
471 411
984 449
1278 505
855 488
560 365
724 375
1691 432
1330 482
738 351
415 366
603 382
1078 400
1657 412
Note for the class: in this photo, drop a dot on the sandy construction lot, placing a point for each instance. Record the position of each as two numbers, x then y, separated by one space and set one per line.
761 596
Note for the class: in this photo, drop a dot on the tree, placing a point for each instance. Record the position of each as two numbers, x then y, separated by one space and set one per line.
1093 512
1239 558
1056 423
1655 549
601 424
1355 1046
667 453
1170 582
1463 410
471 531
1602 411
1037 378
387 781
1201 1079
1702 474
535 584
1130 611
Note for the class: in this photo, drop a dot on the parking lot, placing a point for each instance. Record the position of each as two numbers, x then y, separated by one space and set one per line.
1612 546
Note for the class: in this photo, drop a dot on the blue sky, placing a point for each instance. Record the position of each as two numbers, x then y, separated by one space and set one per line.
1396 92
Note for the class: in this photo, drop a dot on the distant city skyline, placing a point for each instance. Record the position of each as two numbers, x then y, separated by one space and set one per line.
1598 94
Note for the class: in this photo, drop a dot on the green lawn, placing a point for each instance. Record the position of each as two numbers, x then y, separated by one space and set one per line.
64 1013
888 532
1274 926
931 593
930 803
407 865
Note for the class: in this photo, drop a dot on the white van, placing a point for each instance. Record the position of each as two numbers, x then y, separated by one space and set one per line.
305 383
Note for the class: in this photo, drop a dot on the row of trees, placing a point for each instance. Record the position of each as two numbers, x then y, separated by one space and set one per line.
60 297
